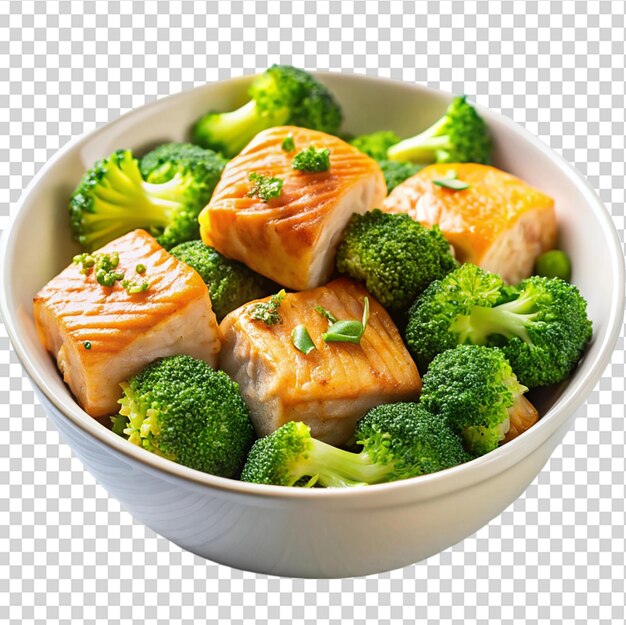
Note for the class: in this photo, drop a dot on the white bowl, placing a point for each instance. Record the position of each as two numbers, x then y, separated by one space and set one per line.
301 532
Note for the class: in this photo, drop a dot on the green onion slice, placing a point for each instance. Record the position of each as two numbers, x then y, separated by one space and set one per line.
326 314
349 331
452 183
302 340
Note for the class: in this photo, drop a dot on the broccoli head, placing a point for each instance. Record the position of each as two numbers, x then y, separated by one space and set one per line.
541 324
398 441
164 162
231 284
394 256
428 329
473 388
543 332
113 198
396 172
281 95
181 409
376 144
460 136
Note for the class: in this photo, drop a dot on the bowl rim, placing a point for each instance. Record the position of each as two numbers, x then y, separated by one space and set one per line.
425 486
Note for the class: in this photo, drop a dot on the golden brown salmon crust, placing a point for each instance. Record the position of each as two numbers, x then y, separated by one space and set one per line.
330 388
291 239
124 332
499 223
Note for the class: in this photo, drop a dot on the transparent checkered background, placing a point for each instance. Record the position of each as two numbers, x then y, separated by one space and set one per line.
68 553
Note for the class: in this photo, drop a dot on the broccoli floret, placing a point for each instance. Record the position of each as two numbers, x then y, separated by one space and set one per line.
163 163
281 95
396 172
428 328
376 144
399 441
472 387
231 284
395 256
181 409
460 136
541 325
543 332
113 198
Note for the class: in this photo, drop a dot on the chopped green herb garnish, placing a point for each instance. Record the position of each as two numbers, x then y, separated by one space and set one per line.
452 183
87 345
103 265
302 340
85 260
349 331
133 287
344 332
288 145
326 314
264 187
267 312
312 159
140 268
105 269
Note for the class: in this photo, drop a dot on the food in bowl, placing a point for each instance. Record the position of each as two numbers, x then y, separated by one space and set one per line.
436 284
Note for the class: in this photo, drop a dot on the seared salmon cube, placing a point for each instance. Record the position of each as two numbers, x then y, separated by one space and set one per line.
331 387
291 238
102 335
499 223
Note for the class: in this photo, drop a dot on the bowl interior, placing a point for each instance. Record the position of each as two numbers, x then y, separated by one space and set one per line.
38 244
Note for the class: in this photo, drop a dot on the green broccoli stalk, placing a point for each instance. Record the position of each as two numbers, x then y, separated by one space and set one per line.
541 325
394 256
460 136
399 441
281 95
113 198
231 284
473 388
181 409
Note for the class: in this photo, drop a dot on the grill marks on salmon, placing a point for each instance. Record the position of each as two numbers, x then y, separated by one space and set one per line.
291 239
330 388
124 332
499 223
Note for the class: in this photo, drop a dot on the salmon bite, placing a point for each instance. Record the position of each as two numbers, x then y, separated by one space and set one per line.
494 220
290 237
102 334
331 387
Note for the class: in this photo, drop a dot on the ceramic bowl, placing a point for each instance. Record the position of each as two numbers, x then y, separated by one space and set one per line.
309 532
